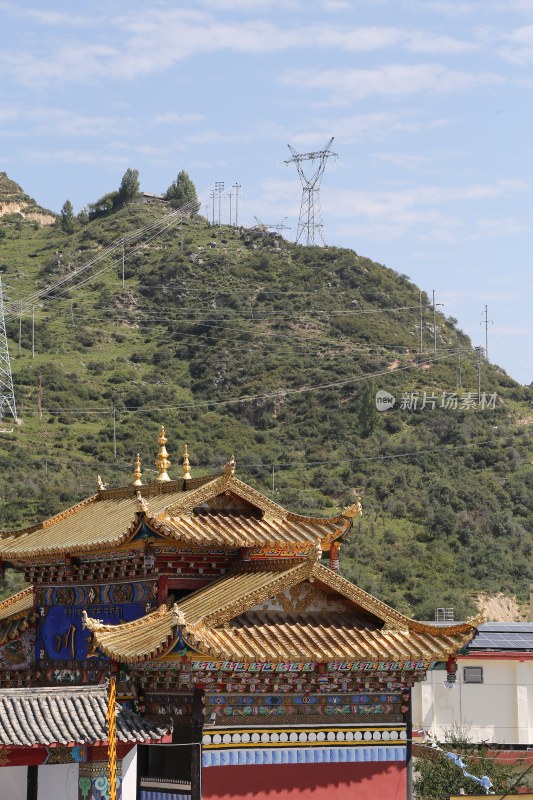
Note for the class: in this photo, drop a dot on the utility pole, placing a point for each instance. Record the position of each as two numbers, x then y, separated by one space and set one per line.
33 332
310 220
230 195
487 320
123 263
219 187
213 195
237 186
421 337
114 432
459 372
435 322
7 392
20 327
479 351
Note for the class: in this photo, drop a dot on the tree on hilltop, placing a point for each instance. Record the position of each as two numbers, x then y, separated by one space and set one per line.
127 191
66 218
129 187
182 192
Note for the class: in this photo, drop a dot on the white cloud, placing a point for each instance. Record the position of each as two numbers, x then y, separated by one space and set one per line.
420 211
73 156
427 42
377 125
403 160
45 120
347 85
126 47
172 118
47 17
518 47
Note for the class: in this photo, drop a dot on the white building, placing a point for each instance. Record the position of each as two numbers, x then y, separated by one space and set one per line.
493 694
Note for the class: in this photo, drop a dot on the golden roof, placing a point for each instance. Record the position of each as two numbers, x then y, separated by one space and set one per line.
19 603
100 522
16 613
177 510
307 642
214 623
236 530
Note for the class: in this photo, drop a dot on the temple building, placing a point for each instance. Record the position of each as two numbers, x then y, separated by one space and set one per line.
244 664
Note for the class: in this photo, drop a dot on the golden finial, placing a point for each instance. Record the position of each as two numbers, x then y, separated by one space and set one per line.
162 463
186 467
137 474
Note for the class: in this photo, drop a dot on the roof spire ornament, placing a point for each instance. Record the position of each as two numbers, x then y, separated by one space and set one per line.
137 474
186 467
162 462
229 467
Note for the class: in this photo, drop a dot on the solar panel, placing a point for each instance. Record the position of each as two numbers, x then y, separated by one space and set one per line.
507 627
500 636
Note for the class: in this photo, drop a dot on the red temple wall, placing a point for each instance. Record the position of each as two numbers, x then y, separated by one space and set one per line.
362 781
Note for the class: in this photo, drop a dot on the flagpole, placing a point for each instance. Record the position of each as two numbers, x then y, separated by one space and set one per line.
111 719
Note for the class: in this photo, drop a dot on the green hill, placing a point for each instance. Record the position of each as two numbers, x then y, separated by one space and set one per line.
240 342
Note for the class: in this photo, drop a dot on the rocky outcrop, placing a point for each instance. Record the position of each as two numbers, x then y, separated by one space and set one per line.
13 201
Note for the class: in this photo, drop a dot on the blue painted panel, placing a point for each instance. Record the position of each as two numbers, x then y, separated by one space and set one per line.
61 633
150 795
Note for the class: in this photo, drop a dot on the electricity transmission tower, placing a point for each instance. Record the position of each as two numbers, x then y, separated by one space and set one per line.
277 226
7 393
310 213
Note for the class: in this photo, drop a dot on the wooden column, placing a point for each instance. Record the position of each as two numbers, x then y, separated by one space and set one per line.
408 719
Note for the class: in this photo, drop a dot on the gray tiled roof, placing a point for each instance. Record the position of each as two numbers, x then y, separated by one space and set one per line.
66 716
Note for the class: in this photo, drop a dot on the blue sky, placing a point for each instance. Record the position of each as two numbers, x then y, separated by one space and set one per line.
430 104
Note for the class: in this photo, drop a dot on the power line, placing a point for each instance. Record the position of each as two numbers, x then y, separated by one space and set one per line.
7 391
277 394
155 228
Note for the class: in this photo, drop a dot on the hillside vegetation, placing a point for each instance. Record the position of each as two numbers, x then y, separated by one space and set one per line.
241 342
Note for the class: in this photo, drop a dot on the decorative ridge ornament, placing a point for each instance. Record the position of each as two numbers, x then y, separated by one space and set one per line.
355 510
162 461
186 467
100 485
179 616
230 466
137 474
142 504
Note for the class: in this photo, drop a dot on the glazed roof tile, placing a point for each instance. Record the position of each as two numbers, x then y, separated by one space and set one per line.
108 519
235 530
16 613
308 642
100 522
205 622
19 603
67 716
